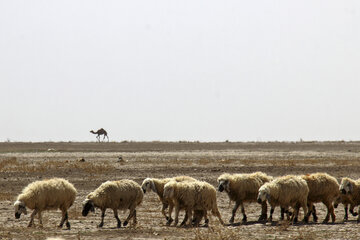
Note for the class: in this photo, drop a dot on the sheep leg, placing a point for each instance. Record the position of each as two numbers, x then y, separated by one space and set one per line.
358 219
40 218
271 213
188 217
169 219
263 215
330 211
243 213
294 218
352 210
346 212
282 213
237 204
305 209
177 209
62 219
185 219
216 212
102 218
134 218
131 214
164 206
313 212
117 218
32 217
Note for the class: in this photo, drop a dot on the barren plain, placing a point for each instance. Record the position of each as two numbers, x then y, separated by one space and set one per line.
22 163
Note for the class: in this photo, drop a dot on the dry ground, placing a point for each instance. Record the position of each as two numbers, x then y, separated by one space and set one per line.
22 163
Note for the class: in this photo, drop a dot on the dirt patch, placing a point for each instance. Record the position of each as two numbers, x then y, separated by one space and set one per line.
22 163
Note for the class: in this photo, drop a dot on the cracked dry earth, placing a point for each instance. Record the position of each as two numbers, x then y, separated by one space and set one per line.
22 163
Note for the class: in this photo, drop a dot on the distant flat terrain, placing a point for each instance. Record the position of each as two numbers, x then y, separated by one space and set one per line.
22 163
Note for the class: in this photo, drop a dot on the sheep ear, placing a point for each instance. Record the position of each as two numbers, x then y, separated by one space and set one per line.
152 186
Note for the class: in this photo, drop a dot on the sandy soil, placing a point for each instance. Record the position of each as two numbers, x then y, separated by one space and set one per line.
22 163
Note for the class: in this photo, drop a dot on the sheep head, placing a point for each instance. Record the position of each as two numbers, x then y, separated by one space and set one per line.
88 205
346 186
224 183
19 208
264 194
148 185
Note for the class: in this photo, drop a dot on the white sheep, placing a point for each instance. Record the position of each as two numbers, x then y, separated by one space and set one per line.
157 185
322 188
287 191
192 196
351 188
243 188
122 194
56 193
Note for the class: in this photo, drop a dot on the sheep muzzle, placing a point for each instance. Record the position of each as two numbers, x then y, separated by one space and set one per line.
221 188
343 191
17 215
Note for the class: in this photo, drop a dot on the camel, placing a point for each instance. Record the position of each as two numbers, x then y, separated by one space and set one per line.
100 132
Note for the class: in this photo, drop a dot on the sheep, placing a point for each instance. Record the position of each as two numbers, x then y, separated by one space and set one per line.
243 188
157 185
46 195
345 200
351 188
322 188
122 194
287 191
192 196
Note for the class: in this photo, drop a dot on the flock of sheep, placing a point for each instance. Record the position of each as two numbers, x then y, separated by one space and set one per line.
196 197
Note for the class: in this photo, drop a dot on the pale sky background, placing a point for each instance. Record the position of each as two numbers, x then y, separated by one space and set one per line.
180 70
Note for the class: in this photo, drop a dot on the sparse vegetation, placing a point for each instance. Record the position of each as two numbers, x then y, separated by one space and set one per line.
22 163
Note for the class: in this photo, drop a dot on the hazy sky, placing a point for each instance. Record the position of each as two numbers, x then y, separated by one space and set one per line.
180 70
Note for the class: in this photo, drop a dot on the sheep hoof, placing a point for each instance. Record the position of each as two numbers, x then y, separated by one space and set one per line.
167 218
68 225
244 219
119 225
100 225
169 222
231 221
345 219
262 217
316 219
125 223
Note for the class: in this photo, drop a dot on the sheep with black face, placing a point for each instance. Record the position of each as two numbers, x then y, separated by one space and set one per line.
243 188
122 194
